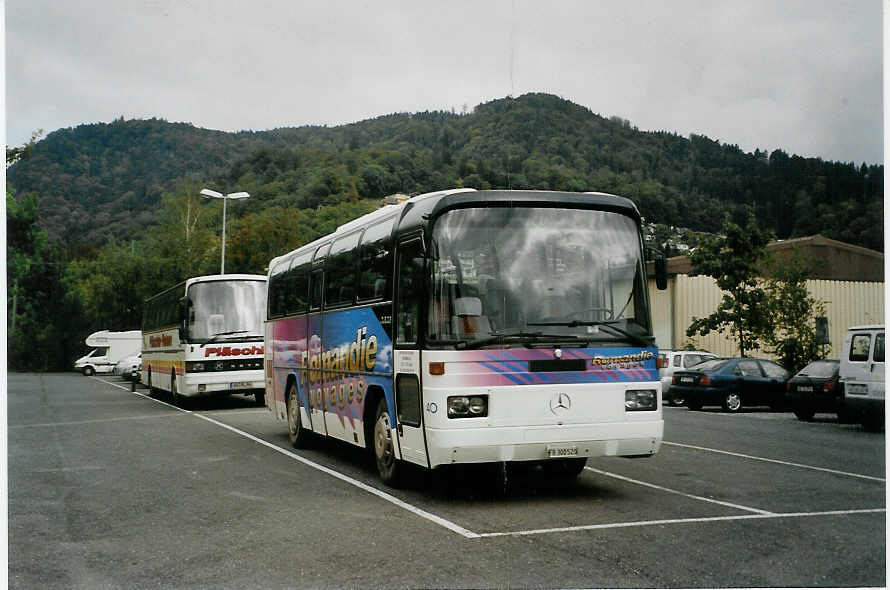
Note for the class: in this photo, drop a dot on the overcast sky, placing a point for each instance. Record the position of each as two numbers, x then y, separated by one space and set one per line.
802 76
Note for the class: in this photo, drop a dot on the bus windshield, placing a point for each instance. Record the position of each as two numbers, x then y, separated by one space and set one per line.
505 274
226 309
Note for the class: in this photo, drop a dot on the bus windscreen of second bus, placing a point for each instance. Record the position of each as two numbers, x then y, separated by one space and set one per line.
526 270
221 308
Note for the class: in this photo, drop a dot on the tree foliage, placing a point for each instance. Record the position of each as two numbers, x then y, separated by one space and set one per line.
103 180
793 312
776 313
43 318
732 259
118 216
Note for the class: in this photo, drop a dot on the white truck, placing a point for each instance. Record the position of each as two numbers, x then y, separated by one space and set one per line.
862 374
107 349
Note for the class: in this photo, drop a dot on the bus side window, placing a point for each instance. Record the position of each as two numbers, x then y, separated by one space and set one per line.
340 270
298 289
316 289
409 292
316 283
375 262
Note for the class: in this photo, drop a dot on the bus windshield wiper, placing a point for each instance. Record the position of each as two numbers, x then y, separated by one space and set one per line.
216 336
609 325
502 337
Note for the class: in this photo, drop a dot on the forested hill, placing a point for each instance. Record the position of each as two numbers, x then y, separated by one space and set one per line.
99 180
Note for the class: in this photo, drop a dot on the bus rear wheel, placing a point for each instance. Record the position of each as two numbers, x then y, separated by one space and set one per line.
389 468
297 435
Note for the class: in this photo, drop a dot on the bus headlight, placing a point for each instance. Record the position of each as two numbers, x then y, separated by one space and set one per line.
468 406
640 400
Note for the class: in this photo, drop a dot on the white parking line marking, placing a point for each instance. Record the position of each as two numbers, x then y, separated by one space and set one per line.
619 525
678 492
97 420
758 514
354 482
790 464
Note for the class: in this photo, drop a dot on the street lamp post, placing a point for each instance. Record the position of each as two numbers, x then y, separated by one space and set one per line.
215 195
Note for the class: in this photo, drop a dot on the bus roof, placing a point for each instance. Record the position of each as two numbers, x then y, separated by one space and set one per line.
414 212
206 278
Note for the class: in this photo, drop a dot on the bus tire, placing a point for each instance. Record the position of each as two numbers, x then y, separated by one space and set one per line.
260 397
565 468
390 469
298 435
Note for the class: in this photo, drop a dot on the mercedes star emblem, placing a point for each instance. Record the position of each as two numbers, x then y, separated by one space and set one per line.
561 403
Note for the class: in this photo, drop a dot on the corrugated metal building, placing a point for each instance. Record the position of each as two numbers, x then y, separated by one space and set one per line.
849 279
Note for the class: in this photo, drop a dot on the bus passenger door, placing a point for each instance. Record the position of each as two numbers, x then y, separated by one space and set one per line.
406 357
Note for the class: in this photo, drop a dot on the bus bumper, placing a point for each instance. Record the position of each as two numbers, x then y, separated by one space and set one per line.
209 384
485 445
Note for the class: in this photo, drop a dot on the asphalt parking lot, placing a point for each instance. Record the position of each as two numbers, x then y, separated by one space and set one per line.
109 488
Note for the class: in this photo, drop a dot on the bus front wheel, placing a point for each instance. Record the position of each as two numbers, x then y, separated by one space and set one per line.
389 468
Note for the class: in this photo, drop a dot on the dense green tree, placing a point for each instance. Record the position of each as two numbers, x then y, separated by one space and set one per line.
793 312
42 320
732 259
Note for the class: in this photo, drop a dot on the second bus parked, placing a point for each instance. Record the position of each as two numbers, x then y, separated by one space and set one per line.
205 337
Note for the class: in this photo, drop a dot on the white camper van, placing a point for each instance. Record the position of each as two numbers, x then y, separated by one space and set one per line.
862 373
108 349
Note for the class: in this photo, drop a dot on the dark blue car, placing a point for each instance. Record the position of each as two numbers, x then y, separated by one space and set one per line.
732 383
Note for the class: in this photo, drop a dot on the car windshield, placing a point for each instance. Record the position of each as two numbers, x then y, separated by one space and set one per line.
711 365
220 308
692 360
820 369
530 273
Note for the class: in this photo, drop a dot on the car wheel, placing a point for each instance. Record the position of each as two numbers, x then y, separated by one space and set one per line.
732 402
677 401
389 468
295 432
88 371
804 412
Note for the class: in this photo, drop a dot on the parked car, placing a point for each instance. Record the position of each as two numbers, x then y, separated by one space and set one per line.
671 360
129 367
732 383
862 373
817 388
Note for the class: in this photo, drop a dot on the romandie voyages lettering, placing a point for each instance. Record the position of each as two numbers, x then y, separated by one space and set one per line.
325 372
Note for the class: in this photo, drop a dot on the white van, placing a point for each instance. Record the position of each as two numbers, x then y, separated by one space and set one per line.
862 373
108 349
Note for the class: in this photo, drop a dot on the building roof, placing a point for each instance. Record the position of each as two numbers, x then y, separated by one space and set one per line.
832 260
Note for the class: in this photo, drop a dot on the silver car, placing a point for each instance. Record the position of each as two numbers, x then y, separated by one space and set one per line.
129 367
671 360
